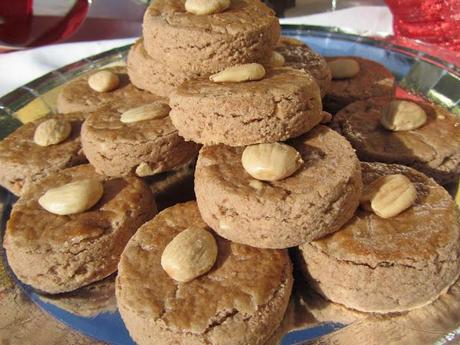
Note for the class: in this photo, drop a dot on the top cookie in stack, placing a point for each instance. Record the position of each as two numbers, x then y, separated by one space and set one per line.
199 40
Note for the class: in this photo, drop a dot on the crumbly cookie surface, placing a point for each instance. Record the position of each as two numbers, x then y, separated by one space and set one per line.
392 264
245 32
149 73
23 161
78 96
245 294
115 148
433 149
74 250
315 201
285 104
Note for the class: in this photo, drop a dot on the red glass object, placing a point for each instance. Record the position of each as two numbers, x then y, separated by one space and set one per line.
433 21
20 27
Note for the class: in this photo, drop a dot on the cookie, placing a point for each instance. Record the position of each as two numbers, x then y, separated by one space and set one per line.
77 95
145 147
373 80
315 201
302 57
245 294
284 104
88 301
245 32
389 265
148 73
433 148
74 250
23 161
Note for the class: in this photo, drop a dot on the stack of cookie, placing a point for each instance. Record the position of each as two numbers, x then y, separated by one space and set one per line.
177 46
270 175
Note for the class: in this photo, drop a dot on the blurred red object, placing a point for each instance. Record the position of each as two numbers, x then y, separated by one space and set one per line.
432 21
21 28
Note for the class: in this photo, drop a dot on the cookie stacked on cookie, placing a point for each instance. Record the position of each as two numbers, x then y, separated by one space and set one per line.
199 43
269 175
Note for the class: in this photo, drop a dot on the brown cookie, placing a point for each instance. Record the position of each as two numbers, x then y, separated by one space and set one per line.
433 149
315 201
149 73
284 104
74 250
245 32
304 58
241 300
116 148
23 161
373 80
390 265
77 95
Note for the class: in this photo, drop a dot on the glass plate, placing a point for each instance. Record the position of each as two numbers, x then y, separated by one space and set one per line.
420 73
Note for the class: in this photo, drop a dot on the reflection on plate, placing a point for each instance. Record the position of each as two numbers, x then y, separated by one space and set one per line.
422 74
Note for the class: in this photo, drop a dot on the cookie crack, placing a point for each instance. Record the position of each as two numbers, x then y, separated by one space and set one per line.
381 264
223 315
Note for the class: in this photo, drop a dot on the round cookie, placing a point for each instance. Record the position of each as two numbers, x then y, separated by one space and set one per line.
389 265
78 96
23 161
150 74
115 148
74 250
373 80
244 295
315 201
433 149
285 104
304 58
245 32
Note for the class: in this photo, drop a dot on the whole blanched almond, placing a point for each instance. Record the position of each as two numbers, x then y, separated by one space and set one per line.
150 111
270 162
204 7
277 59
389 195
104 81
52 131
71 198
402 115
343 68
190 254
239 73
